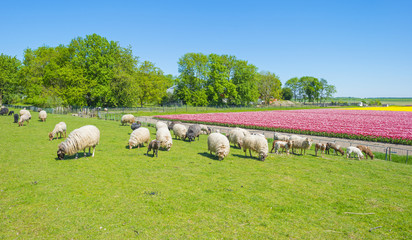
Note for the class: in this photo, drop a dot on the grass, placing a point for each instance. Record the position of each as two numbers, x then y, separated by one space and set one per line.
186 193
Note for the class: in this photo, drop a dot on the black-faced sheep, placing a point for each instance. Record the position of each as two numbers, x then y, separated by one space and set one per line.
135 125
138 137
320 147
16 117
78 139
192 132
219 144
366 150
354 150
163 135
127 118
153 145
258 144
59 128
336 147
42 115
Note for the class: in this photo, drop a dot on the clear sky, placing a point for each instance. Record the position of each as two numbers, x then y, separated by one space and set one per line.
362 47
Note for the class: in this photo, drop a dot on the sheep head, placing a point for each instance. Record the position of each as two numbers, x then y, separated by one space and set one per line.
60 154
50 136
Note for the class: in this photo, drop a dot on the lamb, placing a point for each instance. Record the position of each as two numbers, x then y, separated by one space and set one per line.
163 135
303 144
172 123
219 144
236 136
285 145
42 115
24 118
282 137
16 117
10 113
153 145
193 132
258 144
205 129
336 147
320 147
127 118
59 128
138 137
4 111
24 111
366 150
161 125
179 130
354 150
135 125
78 139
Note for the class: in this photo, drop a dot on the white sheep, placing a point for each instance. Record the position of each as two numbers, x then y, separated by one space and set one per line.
127 118
354 150
302 143
236 136
179 130
78 139
163 135
24 118
24 112
42 115
258 144
160 124
205 129
282 137
138 137
320 147
286 145
59 128
219 144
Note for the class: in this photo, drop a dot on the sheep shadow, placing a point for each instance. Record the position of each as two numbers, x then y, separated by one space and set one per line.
210 156
246 157
73 157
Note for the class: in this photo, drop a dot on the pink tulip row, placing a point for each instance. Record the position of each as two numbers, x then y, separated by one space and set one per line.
388 124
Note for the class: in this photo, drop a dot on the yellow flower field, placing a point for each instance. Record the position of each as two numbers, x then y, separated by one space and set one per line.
393 108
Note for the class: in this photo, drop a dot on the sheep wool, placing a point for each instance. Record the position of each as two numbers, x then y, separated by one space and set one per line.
302 143
42 115
257 144
78 139
219 144
59 128
24 118
127 118
24 112
179 130
354 150
163 135
138 137
281 137
161 125
236 136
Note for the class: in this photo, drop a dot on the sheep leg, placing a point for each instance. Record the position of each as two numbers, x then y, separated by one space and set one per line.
273 146
156 152
76 156
250 152
94 147
84 151
89 150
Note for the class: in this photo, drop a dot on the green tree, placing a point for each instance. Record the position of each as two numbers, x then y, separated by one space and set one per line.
9 78
269 86
287 93
245 80
294 85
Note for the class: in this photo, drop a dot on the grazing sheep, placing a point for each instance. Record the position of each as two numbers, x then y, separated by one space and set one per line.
163 135
179 130
127 118
282 137
24 118
236 136
320 147
161 125
205 129
336 147
303 144
153 145
138 137
135 125
16 117
23 112
10 113
42 115
354 150
192 132
172 123
4 111
258 144
219 144
78 139
366 150
59 128
285 145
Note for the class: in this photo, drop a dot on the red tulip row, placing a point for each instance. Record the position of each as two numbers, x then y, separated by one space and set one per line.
382 126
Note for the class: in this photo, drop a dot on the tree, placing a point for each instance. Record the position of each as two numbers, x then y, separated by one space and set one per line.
294 85
245 80
9 79
287 93
326 90
269 86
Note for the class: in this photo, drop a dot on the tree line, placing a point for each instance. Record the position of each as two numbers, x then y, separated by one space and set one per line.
94 71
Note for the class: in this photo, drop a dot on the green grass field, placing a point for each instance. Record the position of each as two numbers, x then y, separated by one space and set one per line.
186 193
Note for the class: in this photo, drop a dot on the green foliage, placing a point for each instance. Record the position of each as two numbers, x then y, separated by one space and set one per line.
9 78
287 93
269 86
310 89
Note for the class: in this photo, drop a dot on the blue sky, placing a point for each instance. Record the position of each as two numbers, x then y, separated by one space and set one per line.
364 48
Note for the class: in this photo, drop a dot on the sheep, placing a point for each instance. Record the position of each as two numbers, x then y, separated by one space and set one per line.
192 132
153 145
59 128
258 144
320 147
303 144
355 150
138 137
135 125
78 139
336 147
282 137
42 115
236 136
366 150
219 144
127 118
4 111
172 123
24 118
16 117
286 145
161 125
163 135
24 111
10 113
179 130
205 129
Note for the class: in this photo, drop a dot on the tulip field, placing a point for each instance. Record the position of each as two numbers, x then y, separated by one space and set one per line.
381 126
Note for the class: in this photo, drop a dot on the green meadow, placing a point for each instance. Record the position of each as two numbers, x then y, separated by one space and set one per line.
188 194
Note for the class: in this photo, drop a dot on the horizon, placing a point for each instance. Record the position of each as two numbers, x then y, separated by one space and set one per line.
361 48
